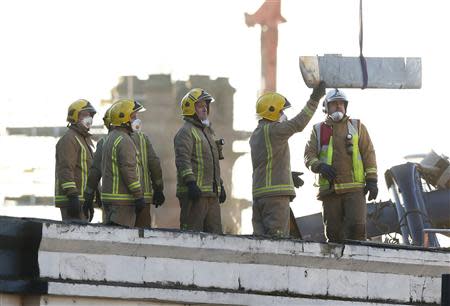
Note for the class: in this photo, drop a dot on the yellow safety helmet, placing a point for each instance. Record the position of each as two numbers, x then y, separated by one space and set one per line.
270 104
120 111
107 117
76 107
192 97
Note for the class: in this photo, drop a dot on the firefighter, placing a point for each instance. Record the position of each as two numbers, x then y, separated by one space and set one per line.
273 187
122 192
200 187
95 174
341 153
151 173
73 160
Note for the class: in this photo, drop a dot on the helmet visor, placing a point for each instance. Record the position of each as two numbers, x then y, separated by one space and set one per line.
89 108
287 104
138 107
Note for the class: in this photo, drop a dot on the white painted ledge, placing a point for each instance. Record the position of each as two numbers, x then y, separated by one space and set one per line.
178 267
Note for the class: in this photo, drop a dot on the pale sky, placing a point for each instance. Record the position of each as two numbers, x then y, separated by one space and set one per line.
54 52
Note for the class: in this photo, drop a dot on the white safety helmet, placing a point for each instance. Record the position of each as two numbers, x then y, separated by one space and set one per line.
334 95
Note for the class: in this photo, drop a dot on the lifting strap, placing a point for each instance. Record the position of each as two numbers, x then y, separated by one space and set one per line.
361 56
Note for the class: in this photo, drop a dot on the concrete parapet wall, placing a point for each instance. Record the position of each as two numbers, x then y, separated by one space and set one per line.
98 262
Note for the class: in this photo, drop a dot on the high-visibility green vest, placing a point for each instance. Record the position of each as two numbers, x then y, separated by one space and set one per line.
326 156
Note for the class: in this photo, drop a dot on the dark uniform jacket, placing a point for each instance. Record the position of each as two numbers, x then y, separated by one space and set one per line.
151 172
120 169
95 172
197 158
73 160
271 158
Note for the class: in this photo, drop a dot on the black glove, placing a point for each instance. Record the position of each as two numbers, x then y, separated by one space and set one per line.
298 182
74 206
327 171
158 198
88 208
222 195
318 91
139 205
371 188
193 191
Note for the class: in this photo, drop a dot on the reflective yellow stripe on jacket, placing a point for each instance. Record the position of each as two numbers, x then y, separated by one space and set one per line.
269 156
148 191
185 172
68 185
117 197
115 166
84 167
263 190
202 188
199 157
64 199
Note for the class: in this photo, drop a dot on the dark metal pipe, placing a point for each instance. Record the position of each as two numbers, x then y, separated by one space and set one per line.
438 207
381 219
410 197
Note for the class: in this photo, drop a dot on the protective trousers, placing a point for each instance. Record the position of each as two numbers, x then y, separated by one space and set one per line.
202 215
65 215
144 218
344 216
124 215
271 216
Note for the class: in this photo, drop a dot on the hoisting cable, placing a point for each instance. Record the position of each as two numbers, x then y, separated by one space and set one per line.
362 59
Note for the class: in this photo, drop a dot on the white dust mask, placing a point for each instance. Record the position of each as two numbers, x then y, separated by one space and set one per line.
337 116
87 122
136 125
205 122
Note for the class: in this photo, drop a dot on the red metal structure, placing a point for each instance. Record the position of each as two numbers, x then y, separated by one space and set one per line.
269 17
